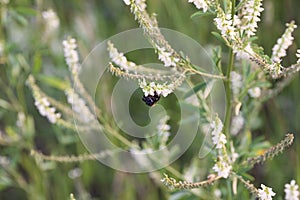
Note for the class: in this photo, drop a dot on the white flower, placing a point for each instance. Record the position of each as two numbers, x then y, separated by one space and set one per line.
118 58
51 20
71 55
200 4
160 89
286 40
46 110
298 55
225 25
291 191
265 193
236 82
237 124
79 106
166 57
222 168
254 92
219 139
250 15
163 130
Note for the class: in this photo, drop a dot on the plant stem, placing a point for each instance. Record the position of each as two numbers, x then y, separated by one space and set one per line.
227 82
229 189
228 94
228 98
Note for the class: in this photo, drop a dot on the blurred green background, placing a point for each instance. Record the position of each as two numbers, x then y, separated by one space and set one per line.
28 50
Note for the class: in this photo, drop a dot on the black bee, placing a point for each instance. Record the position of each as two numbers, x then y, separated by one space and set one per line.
151 100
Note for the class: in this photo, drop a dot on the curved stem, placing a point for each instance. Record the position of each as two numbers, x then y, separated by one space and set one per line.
206 74
228 95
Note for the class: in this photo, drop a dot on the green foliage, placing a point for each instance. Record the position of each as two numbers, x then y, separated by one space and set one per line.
27 48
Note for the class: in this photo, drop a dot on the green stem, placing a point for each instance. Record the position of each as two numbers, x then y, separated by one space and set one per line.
228 94
227 83
229 189
228 99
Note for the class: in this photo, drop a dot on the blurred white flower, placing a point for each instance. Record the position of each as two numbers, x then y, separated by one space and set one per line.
51 22
254 92
236 82
79 106
265 193
291 191
163 131
237 124
71 55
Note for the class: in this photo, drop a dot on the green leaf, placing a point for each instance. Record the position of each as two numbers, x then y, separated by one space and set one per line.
195 89
218 36
37 63
4 104
262 84
53 82
19 18
25 11
201 14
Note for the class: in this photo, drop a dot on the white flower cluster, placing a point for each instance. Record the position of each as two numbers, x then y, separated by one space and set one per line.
166 57
45 109
254 92
219 139
222 167
236 82
152 87
163 130
119 58
200 4
79 106
250 16
237 124
265 193
51 20
291 191
283 43
71 55
225 24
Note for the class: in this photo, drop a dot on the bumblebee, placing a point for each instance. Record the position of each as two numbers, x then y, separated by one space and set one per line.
150 100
